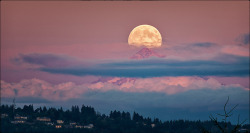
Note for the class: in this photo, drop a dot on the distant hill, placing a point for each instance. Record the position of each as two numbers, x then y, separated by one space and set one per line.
87 120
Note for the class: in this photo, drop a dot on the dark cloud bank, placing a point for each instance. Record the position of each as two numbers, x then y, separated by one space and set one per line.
158 68
224 65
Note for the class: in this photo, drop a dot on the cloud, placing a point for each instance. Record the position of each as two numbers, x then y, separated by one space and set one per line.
41 89
204 44
208 50
167 85
236 50
235 66
69 90
230 64
189 51
243 39
47 60
240 49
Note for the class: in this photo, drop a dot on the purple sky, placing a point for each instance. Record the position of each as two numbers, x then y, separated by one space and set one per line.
77 52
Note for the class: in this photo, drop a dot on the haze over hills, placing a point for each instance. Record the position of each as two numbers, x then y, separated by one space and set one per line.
146 53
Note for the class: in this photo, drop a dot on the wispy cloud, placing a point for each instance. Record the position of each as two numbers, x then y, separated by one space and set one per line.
204 44
243 39
47 60
208 50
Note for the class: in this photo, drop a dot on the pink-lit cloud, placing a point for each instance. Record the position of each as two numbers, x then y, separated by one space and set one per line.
203 51
168 85
237 50
41 89
69 90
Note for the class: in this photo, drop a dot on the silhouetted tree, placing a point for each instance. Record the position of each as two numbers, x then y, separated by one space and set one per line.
225 115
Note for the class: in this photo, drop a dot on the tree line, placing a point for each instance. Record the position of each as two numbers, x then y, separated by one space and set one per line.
115 122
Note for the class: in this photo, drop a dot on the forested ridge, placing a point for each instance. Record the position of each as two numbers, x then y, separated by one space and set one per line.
85 119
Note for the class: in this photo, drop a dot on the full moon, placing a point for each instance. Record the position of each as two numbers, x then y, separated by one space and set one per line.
145 35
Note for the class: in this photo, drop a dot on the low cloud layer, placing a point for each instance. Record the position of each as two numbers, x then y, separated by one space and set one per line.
69 90
41 89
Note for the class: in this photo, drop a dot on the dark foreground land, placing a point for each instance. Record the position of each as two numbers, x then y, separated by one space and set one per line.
87 120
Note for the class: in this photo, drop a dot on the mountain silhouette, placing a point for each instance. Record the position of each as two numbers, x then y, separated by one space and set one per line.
146 53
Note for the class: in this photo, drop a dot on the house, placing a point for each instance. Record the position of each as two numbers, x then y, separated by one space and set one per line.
18 122
152 125
79 126
242 130
49 123
18 117
4 115
59 121
43 119
58 126
89 126
72 123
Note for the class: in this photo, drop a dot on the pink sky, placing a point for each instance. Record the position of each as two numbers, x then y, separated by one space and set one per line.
93 31
64 53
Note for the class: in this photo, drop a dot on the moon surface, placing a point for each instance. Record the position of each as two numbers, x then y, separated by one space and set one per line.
145 35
